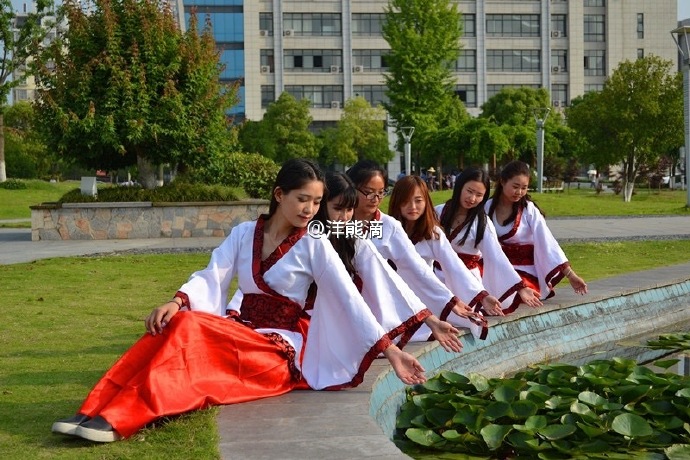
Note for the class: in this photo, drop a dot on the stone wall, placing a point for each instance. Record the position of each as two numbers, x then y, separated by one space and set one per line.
104 221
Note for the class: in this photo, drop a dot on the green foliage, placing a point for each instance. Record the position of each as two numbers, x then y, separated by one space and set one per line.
358 135
13 184
603 408
26 155
636 118
174 192
676 341
283 133
124 84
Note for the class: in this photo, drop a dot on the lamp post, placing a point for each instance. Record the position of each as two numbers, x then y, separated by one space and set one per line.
540 116
681 36
407 132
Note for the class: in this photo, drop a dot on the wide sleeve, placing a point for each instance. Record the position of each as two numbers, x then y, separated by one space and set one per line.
207 289
499 276
412 268
344 336
396 308
549 258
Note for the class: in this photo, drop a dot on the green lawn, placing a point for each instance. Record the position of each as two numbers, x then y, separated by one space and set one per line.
65 321
14 204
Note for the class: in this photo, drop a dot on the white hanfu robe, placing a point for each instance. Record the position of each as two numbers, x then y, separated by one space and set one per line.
440 256
343 333
489 262
395 246
532 249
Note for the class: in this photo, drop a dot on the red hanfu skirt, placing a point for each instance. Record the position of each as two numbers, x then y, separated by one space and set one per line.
198 361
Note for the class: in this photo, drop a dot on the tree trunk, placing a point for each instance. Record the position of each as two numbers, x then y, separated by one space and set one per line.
159 182
628 191
147 173
3 171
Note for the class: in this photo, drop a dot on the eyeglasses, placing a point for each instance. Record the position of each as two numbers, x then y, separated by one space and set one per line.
372 195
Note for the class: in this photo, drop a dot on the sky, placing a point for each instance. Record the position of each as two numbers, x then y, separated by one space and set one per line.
683 9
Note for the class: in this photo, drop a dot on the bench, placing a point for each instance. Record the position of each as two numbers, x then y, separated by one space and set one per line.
555 186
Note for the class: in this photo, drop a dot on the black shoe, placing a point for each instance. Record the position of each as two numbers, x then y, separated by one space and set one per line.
69 425
98 430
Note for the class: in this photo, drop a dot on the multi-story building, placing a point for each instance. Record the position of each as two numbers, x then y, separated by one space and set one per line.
331 50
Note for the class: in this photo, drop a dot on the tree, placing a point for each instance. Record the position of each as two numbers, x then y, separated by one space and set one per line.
18 34
26 154
637 117
283 133
424 39
358 135
123 86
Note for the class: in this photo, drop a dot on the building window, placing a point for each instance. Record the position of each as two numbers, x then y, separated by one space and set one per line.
467 94
266 58
593 87
319 24
374 94
320 96
371 59
595 62
467 62
367 23
640 53
559 95
595 2
594 28
21 95
266 23
492 90
640 25
468 22
559 60
268 95
513 60
313 60
559 25
512 25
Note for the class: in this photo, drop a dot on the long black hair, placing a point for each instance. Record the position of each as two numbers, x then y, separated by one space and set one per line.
452 205
293 175
341 189
362 171
512 169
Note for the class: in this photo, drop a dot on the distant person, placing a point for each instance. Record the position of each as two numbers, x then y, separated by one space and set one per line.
525 237
193 358
473 238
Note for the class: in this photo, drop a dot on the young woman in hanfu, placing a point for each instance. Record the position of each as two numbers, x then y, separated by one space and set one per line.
390 299
525 237
193 358
411 204
473 238
392 242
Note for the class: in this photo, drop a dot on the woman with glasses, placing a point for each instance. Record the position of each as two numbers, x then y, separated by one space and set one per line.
394 245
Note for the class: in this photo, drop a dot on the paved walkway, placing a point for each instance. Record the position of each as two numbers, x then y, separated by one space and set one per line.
16 245
338 425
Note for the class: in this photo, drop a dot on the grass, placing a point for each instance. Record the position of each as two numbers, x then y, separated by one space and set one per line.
15 203
65 321
585 202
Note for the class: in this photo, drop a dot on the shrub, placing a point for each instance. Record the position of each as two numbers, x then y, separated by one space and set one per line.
170 193
13 184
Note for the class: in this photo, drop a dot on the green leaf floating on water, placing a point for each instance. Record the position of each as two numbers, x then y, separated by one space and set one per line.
631 425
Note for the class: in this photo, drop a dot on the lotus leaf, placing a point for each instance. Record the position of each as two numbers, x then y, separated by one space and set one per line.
535 396
589 430
592 399
553 432
685 392
436 385
583 410
440 417
496 410
666 363
520 410
480 382
631 425
659 407
466 416
424 437
494 434
678 452
505 393
453 377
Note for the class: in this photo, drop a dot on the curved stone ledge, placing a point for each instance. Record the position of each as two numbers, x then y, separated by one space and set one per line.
105 221
573 330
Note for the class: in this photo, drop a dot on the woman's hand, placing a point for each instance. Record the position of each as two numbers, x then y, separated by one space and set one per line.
492 306
161 316
530 297
444 333
406 366
578 284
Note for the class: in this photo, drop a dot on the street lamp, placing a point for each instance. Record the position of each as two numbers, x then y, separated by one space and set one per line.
540 115
681 36
407 132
